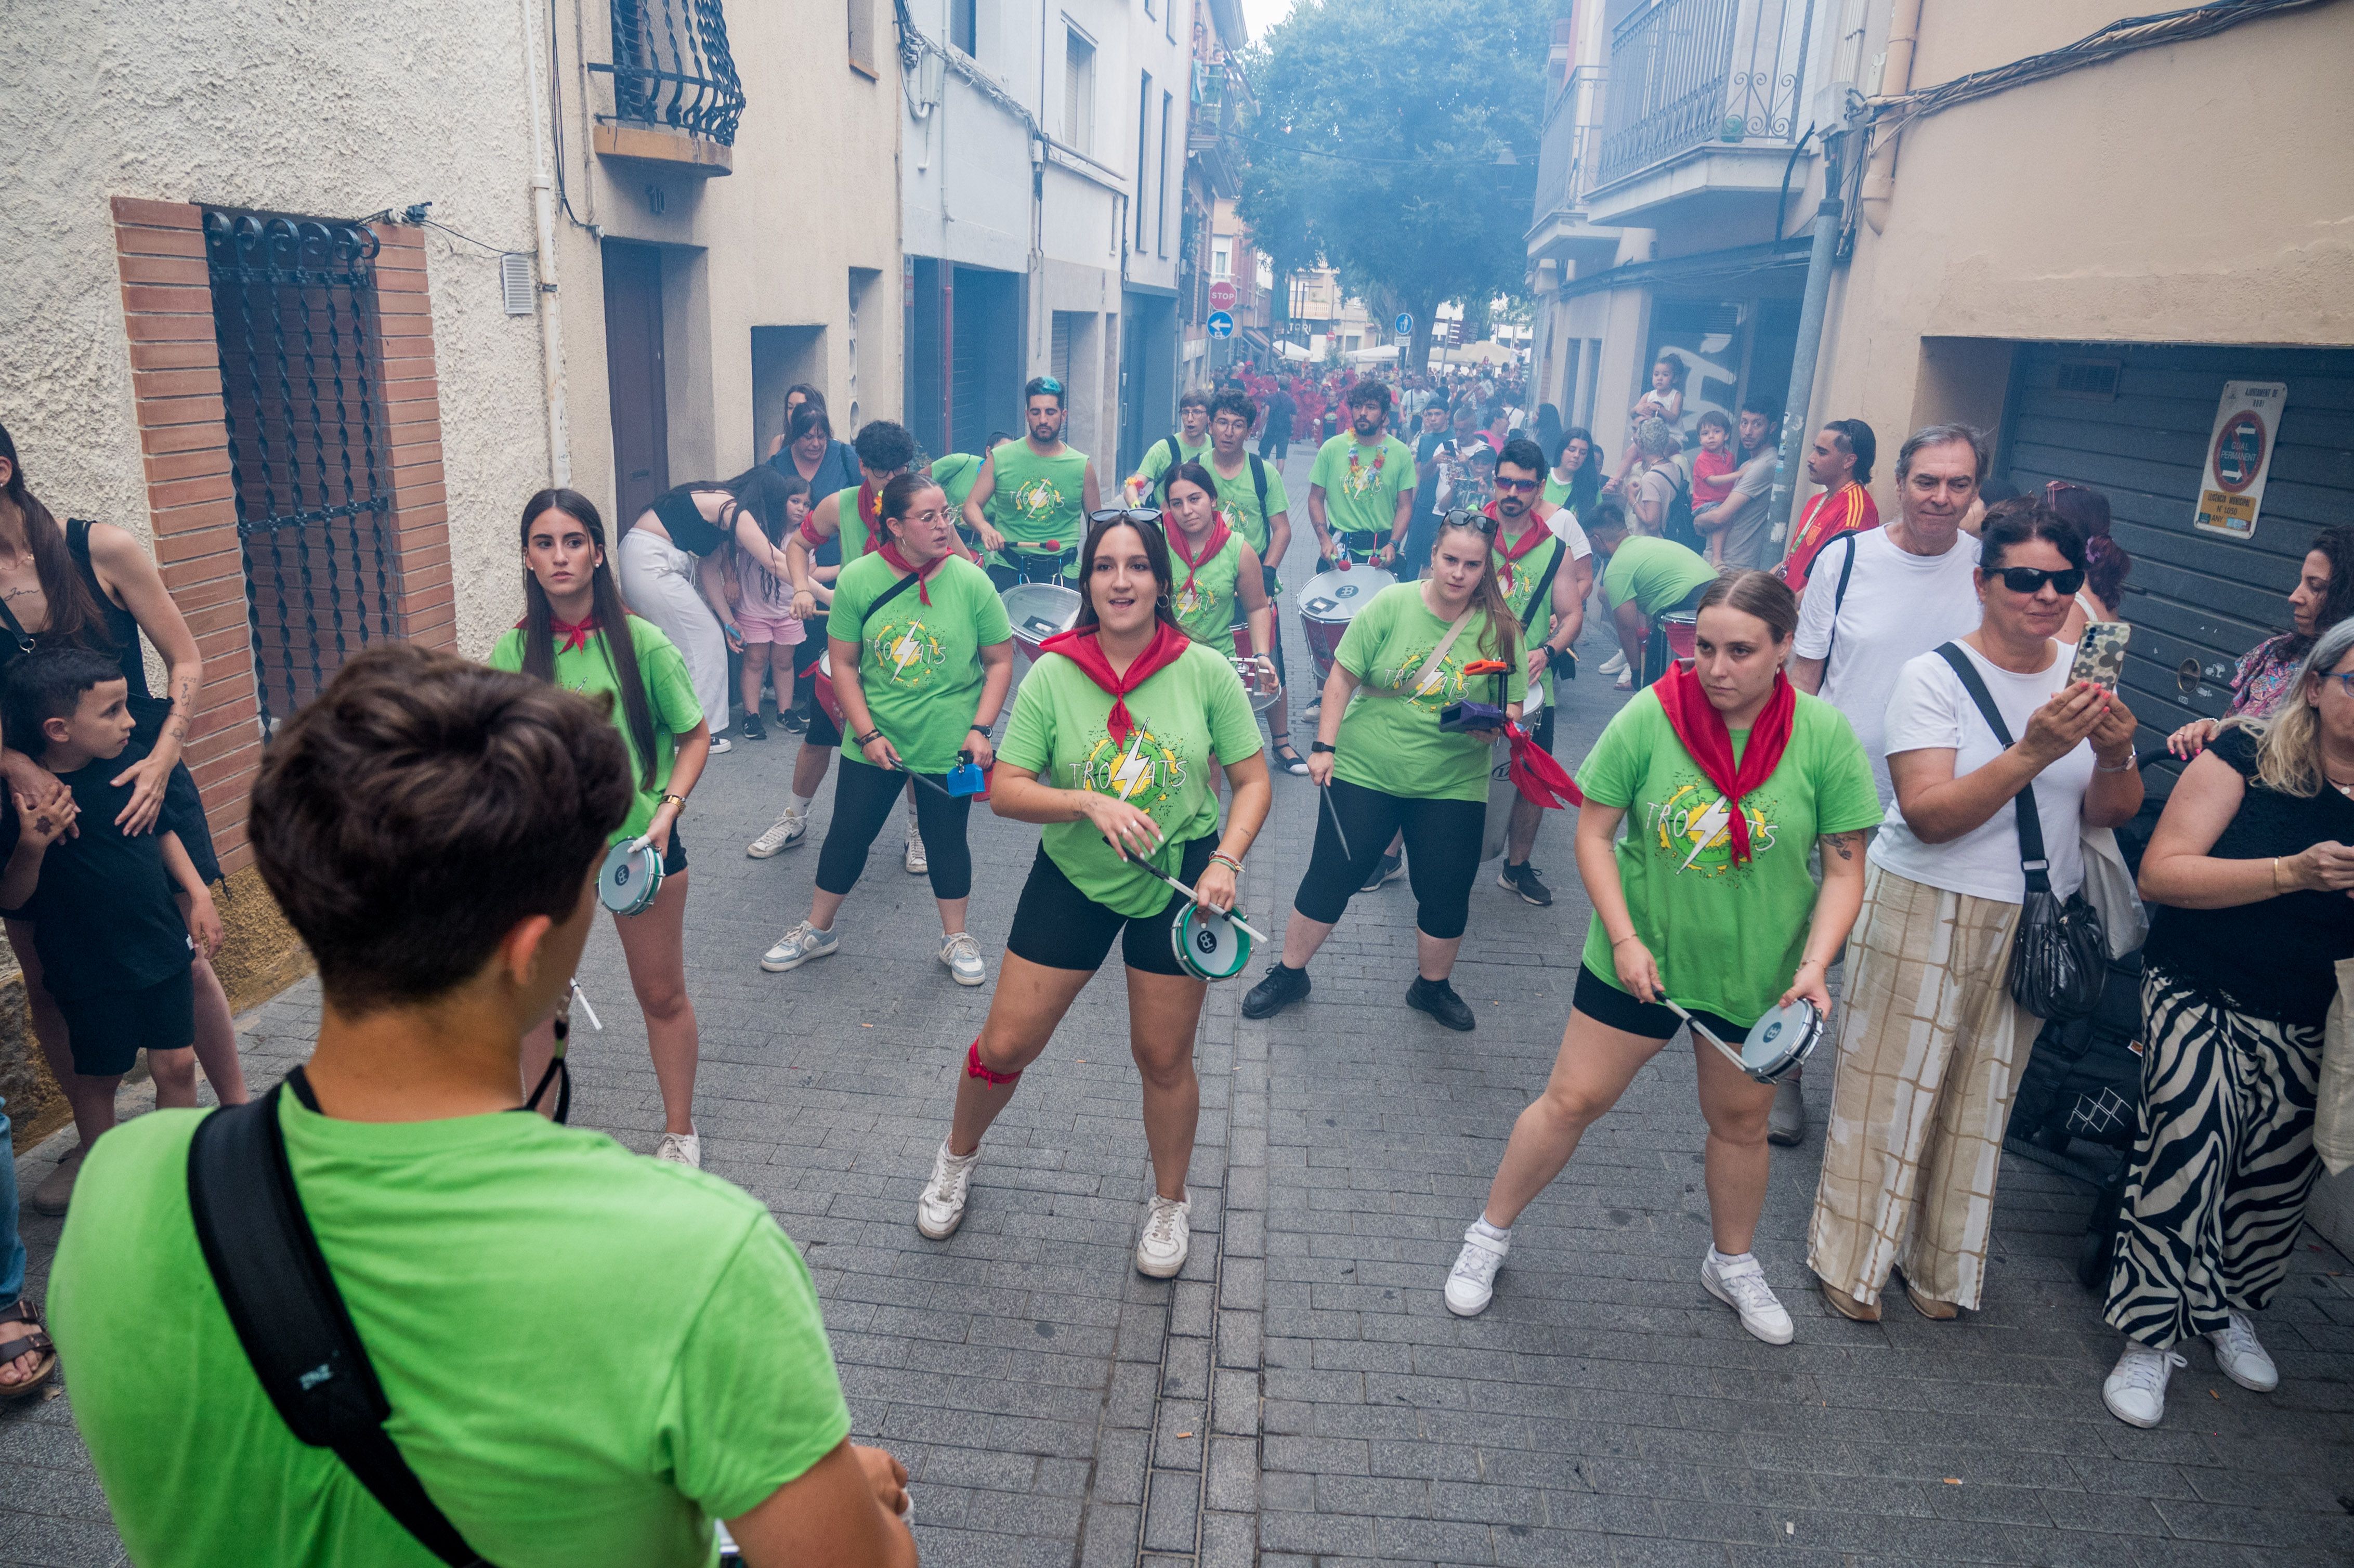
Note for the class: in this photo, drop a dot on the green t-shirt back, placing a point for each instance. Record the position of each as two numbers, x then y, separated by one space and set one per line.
1361 496
1394 743
1157 461
1204 597
1728 938
920 664
1190 717
1657 574
1033 499
670 697
559 1420
954 473
850 525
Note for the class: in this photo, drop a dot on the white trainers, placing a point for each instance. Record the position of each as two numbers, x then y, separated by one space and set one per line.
798 946
1168 1232
680 1148
1741 1285
1471 1285
1615 664
2135 1391
917 865
940 1208
962 956
790 828
721 745
2244 1361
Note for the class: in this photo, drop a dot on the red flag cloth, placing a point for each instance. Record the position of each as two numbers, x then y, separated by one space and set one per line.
1537 776
575 637
1219 534
1081 647
1701 729
898 562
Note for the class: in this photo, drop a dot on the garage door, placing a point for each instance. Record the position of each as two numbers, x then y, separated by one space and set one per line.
2133 422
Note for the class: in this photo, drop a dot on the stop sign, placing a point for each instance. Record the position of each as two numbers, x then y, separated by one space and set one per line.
1222 296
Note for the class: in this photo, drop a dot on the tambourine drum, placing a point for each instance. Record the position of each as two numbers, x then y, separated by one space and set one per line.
821 686
1778 1042
631 877
1329 601
1208 944
1039 610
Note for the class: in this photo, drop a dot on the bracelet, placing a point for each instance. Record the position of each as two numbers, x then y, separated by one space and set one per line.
1629 937
1315 747
2127 766
1221 858
869 739
2276 886
667 797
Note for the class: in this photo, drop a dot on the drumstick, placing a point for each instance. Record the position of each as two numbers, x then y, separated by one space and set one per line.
1338 832
582 998
1252 932
1703 1031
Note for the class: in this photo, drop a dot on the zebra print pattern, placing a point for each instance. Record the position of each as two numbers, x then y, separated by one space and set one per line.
2221 1168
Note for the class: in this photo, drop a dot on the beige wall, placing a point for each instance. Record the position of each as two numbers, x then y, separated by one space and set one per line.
2202 192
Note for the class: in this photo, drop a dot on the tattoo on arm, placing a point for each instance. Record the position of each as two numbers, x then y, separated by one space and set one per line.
1841 844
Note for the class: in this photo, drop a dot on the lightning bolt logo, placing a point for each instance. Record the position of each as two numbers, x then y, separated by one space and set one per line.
1133 769
1711 823
906 651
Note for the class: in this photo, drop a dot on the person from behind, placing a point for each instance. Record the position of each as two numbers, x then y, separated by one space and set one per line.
116 950
1644 579
2105 561
2323 596
1660 500
1840 462
2251 874
432 829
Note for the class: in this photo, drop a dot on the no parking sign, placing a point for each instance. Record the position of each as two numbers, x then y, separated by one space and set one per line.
2239 456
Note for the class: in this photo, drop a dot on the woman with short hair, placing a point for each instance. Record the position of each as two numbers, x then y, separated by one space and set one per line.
2251 872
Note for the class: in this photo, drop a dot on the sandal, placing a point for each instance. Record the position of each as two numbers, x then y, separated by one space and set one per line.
30 1340
1289 756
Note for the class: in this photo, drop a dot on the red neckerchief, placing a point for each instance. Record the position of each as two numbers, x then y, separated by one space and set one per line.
1081 647
1219 534
1701 729
890 552
870 509
1537 533
575 637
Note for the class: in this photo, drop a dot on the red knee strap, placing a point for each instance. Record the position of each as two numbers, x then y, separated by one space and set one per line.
975 1068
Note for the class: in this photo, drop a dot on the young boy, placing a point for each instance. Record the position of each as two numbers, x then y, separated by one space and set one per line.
114 946
1714 466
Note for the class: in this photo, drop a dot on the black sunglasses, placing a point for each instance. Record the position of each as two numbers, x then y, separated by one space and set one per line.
1522 486
1127 514
1464 517
2028 579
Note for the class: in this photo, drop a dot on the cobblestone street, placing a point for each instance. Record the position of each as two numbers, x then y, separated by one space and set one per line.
1301 1395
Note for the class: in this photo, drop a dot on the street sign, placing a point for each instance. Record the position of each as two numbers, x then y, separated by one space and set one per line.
1405 322
1222 296
1220 325
2239 457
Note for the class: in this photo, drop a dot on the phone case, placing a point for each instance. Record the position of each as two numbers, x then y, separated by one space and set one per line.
2101 654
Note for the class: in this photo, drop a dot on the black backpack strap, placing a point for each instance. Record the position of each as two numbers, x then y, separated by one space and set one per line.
1838 595
1538 596
281 1299
2030 824
886 597
1258 478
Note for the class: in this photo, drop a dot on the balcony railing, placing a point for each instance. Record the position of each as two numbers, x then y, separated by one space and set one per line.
1684 73
1565 151
672 68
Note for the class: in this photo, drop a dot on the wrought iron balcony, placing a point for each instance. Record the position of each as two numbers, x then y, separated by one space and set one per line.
672 68
1686 73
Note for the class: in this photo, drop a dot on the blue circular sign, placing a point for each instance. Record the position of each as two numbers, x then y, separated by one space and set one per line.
1405 321
1220 325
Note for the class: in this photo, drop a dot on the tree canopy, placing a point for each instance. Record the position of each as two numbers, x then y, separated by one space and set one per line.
1374 146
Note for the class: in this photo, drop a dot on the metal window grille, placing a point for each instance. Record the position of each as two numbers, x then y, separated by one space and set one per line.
672 67
1685 72
294 318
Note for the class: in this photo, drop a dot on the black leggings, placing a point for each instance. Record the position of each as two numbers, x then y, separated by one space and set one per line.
863 795
1442 855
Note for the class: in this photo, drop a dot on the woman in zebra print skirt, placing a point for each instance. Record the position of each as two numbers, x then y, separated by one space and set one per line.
2251 864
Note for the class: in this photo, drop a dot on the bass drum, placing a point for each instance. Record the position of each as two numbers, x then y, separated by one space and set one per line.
1329 601
1039 610
822 687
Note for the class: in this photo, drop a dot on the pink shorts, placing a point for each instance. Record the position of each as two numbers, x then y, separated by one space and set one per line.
759 626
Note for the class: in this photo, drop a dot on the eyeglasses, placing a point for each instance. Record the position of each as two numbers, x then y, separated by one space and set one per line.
2345 680
1127 514
2027 581
1520 486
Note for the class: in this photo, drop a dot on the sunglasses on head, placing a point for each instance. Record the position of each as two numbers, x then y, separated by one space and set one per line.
1464 517
1127 514
2030 581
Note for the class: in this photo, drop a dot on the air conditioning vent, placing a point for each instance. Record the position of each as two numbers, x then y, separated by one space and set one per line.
2094 380
515 281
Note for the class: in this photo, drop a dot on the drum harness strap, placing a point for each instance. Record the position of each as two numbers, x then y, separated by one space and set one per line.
1428 665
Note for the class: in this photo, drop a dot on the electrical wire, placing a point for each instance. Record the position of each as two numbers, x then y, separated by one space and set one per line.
556 122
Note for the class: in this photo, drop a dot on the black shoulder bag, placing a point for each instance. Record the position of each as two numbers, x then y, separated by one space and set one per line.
2060 958
290 1318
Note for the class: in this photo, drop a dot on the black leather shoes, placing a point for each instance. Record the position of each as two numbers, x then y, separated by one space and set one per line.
1280 990
1438 999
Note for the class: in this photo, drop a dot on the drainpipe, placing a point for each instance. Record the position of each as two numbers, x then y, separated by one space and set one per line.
1796 429
543 205
1895 81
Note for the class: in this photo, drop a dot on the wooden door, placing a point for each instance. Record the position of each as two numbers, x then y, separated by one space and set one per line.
633 371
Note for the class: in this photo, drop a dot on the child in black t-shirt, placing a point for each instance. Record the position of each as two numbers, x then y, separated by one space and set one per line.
114 946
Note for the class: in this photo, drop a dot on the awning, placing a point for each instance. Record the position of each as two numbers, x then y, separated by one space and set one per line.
1257 338
1293 352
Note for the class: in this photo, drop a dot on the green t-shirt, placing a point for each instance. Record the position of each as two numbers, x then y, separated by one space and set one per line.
1033 499
920 664
850 524
1204 597
1657 574
1556 491
1238 500
670 698
1157 461
954 474
1519 580
590 1355
1190 717
1361 496
1727 939
1394 743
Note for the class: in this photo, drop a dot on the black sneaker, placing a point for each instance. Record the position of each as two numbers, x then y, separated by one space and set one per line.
792 721
753 729
1438 999
1280 990
1388 869
1522 879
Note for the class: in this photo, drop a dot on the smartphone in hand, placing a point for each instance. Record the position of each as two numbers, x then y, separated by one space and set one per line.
2101 654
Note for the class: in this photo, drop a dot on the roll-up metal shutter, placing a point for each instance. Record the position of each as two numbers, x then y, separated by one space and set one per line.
2133 421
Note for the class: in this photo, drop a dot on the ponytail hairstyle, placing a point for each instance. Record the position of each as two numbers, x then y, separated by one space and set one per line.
612 619
1503 636
1156 551
74 615
898 498
1761 594
2105 561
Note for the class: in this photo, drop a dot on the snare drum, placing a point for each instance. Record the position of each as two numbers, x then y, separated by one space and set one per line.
1039 610
1329 601
1208 945
1682 628
1778 1042
822 687
631 877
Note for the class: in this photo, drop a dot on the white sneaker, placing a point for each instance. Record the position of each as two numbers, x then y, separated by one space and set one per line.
962 956
1168 1232
721 745
2244 1361
917 865
789 828
1471 1285
798 946
1742 1286
680 1148
1613 665
2135 1391
940 1208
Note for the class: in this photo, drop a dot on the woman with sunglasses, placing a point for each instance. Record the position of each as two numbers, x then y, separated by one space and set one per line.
1389 759
1118 731
1930 1040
